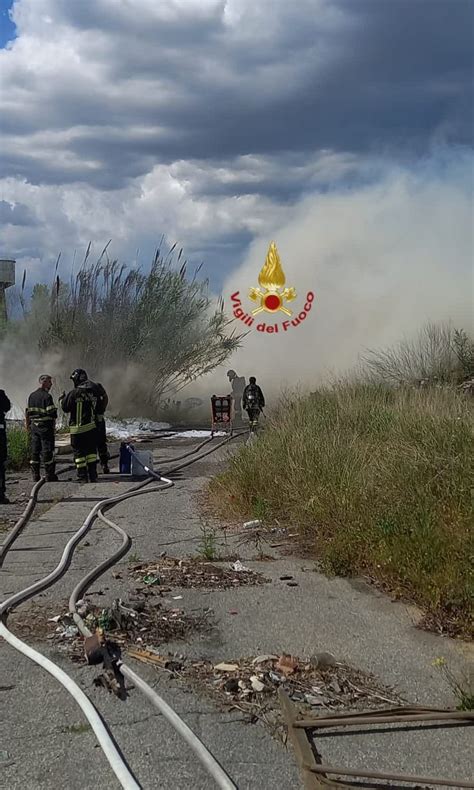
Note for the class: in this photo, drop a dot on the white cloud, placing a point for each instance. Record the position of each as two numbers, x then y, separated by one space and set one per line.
209 120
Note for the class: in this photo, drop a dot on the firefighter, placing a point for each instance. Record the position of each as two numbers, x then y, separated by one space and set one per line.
81 405
238 387
5 406
253 400
41 415
102 449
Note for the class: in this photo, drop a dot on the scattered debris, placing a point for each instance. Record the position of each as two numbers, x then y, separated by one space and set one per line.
287 664
223 667
239 567
254 682
193 572
150 657
150 579
68 632
5 760
136 622
285 578
322 660
261 659
252 524
257 684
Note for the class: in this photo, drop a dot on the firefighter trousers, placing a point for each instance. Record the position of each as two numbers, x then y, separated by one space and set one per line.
84 447
42 449
3 459
102 448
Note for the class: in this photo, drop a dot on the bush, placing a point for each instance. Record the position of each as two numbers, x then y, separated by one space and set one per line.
438 354
146 334
18 448
378 480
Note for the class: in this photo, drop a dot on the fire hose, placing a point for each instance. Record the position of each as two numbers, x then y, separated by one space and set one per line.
105 740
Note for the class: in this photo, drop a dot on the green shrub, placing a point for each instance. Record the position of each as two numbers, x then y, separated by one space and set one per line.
378 479
18 448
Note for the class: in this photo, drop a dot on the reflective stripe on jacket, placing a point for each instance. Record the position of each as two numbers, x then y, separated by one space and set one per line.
41 409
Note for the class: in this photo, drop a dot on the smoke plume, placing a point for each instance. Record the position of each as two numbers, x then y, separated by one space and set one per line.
382 259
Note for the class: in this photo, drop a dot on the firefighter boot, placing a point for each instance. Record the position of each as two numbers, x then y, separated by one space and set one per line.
92 471
82 474
35 471
51 475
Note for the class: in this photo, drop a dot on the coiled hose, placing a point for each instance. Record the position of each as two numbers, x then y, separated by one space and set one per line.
106 742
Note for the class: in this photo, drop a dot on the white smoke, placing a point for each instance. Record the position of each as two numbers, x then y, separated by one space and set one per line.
382 259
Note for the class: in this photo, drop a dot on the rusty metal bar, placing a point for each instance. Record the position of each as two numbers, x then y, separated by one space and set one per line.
346 721
306 755
382 711
301 745
363 774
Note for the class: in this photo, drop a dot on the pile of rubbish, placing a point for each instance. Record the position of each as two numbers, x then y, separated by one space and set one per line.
193 572
317 684
137 622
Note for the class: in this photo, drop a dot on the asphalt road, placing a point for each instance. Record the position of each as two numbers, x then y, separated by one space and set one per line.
45 742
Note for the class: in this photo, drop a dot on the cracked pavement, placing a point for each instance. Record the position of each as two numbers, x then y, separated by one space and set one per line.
45 740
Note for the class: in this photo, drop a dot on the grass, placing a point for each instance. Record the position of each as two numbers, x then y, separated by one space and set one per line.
462 686
134 558
18 448
207 548
377 480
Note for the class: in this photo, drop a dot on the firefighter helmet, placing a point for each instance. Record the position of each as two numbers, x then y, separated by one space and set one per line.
78 376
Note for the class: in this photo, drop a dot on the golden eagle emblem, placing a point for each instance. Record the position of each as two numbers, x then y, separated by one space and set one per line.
272 295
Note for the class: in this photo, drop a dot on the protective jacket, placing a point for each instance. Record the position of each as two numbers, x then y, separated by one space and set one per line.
82 405
5 406
102 400
41 411
253 396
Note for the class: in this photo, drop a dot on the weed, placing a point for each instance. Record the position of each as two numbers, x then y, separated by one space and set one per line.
207 545
260 508
462 687
18 447
133 558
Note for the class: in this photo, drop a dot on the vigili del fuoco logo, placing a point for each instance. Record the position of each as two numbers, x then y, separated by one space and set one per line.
271 297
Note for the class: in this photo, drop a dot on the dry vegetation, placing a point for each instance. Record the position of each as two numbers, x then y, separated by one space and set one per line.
146 332
379 480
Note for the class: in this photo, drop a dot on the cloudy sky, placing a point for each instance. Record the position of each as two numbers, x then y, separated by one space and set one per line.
214 121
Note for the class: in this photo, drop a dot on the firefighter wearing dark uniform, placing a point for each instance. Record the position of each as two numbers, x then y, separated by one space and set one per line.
253 400
102 448
41 414
81 405
5 406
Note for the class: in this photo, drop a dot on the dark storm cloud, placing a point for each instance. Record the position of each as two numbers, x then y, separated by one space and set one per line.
373 75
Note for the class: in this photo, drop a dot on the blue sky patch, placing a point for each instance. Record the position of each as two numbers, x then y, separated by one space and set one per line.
7 28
